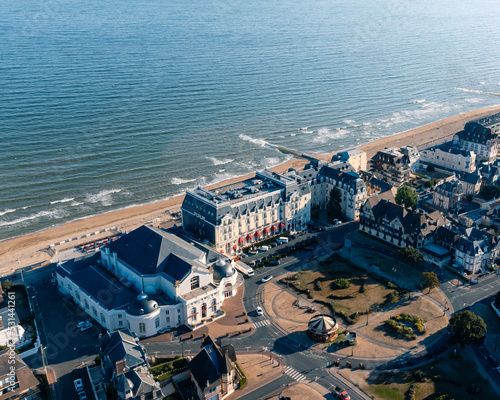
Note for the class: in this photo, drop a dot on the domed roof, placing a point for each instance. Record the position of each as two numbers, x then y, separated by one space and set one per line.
322 324
223 269
141 305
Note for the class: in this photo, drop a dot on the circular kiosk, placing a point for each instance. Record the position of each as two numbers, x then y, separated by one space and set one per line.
323 328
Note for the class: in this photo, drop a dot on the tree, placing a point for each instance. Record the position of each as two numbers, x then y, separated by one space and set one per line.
489 192
6 286
406 196
334 207
410 255
430 280
466 328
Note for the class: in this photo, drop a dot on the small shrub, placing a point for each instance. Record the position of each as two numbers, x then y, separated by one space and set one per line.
341 283
246 319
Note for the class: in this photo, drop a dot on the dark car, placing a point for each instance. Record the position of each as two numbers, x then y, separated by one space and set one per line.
274 262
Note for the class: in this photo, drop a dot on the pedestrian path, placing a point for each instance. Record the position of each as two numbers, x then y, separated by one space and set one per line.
260 324
292 373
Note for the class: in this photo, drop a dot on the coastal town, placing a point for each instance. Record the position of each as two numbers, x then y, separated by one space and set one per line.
362 274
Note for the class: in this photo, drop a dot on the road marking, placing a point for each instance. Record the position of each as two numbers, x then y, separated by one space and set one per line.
294 374
260 324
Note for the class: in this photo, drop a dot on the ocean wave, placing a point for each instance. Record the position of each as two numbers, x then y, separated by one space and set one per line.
219 162
418 101
469 90
325 134
76 203
482 83
52 214
350 122
180 181
260 142
103 197
65 200
11 210
307 131
474 100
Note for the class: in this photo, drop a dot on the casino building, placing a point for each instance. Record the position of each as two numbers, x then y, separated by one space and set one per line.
149 281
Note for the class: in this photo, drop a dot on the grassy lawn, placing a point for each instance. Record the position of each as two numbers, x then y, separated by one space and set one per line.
454 377
389 392
364 293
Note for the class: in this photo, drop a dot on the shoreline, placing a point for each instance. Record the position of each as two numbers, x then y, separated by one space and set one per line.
29 249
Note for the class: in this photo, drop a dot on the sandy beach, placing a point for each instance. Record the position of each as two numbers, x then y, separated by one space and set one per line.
33 248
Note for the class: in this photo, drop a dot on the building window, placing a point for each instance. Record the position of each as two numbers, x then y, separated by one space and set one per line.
120 316
103 320
94 311
195 282
168 320
77 294
157 322
86 303
167 312
193 313
142 327
120 323
214 305
203 310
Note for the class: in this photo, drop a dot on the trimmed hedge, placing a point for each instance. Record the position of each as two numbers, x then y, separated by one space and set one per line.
243 380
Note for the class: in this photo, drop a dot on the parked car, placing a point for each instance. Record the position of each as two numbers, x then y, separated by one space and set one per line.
78 385
259 311
275 262
267 278
86 327
82 395
473 281
80 324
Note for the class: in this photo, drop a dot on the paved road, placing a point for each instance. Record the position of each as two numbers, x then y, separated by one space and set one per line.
462 296
65 346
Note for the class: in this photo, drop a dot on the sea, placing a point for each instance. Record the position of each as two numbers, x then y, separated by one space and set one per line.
109 104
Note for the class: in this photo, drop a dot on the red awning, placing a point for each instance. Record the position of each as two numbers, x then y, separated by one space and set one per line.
273 228
241 240
222 251
235 247
265 230
257 234
249 237
281 225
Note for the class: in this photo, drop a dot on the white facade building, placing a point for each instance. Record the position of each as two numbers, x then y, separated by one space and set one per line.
150 281
245 212
450 158
323 178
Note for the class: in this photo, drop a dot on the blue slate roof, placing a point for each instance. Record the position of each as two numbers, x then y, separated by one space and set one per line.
96 280
151 251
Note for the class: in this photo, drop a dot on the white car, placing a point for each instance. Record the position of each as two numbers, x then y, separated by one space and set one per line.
86 327
259 311
80 324
78 385
267 278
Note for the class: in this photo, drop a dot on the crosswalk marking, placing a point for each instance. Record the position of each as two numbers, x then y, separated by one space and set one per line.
260 324
294 374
